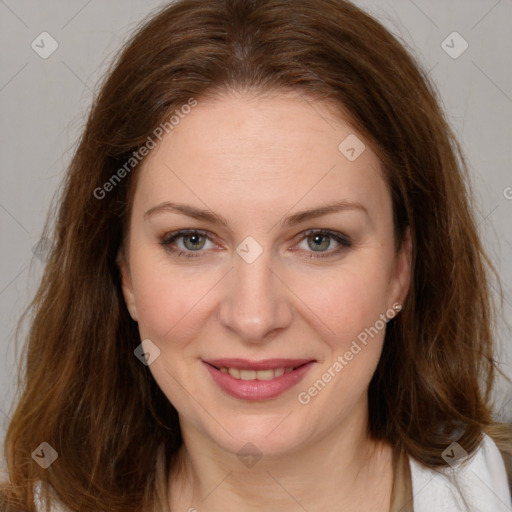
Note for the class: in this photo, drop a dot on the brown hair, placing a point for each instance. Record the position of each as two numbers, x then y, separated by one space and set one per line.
86 394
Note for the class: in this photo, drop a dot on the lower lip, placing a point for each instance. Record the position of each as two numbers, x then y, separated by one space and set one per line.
257 389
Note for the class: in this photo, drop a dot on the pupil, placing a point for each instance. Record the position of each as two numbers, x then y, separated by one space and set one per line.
318 241
194 241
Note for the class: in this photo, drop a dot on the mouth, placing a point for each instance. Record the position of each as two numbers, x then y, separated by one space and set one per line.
252 374
257 380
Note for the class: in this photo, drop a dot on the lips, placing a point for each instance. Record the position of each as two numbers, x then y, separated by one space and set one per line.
257 380
265 364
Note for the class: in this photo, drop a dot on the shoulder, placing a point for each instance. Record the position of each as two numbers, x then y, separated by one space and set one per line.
478 484
40 502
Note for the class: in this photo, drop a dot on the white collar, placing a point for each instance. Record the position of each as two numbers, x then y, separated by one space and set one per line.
479 484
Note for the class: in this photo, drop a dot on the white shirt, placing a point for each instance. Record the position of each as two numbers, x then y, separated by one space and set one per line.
482 482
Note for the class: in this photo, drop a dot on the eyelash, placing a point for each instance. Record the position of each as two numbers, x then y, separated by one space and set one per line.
343 240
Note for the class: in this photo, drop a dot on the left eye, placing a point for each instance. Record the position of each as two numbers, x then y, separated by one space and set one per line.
321 240
193 241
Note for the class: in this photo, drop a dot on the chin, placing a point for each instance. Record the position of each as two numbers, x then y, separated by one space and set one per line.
266 435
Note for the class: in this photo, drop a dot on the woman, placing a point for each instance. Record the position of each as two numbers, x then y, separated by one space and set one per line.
266 280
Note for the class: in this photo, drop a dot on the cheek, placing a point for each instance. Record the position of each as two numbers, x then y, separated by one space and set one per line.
168 297
345 301
353 309
350 304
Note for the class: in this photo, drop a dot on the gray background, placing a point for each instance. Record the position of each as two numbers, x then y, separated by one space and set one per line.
44 103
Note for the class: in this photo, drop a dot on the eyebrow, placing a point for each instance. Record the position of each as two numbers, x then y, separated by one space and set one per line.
290 220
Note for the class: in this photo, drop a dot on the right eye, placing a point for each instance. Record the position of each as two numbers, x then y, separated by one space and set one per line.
192 240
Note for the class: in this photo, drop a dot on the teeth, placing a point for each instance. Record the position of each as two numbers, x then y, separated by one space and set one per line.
256 375
234 372
264 375
278 372
247 374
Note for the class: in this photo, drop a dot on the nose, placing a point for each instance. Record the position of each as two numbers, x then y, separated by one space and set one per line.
256 304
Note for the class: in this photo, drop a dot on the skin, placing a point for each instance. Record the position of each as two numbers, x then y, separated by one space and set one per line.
254 161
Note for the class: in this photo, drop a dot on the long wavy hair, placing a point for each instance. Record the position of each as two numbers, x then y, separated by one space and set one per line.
82 389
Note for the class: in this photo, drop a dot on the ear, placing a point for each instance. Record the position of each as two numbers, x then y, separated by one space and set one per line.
402 272
126 284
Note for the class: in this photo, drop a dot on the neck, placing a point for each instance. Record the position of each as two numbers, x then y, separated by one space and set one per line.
348 467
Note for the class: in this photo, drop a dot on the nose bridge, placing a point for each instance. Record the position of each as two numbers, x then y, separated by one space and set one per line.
256 303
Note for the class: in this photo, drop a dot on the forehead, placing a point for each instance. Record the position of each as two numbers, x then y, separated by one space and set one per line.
257 153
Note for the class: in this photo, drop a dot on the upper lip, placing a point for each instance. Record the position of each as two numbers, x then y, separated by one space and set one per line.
263 364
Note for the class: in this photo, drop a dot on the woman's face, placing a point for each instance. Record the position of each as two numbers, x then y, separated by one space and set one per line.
262 331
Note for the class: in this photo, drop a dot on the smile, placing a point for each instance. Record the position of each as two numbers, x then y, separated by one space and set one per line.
256 374
259 380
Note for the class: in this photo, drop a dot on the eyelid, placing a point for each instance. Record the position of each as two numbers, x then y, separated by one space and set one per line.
344 241
169 237
337 235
